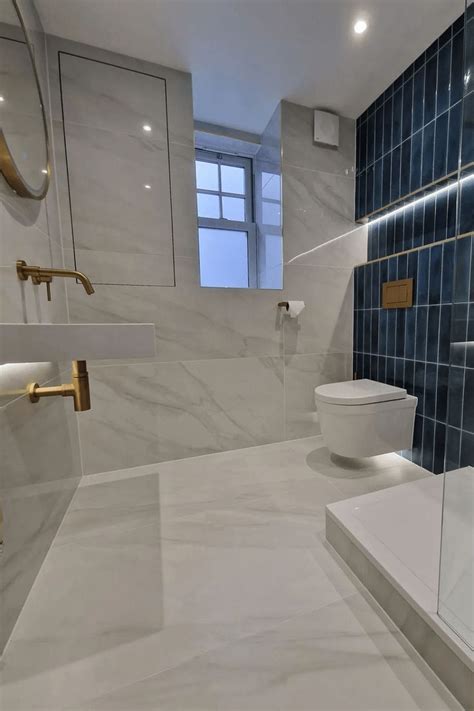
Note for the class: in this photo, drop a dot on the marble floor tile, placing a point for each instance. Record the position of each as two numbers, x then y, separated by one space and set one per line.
337 658
206 584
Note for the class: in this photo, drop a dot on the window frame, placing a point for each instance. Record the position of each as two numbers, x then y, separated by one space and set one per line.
221 223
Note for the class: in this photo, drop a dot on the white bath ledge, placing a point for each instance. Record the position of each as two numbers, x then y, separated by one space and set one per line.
35 343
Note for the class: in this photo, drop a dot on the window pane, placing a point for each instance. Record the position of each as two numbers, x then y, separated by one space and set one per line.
271 186
223 257
233 209
208 205
207 177
233 179
271 213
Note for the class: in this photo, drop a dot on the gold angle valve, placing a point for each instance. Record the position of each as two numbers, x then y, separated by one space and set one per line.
78 389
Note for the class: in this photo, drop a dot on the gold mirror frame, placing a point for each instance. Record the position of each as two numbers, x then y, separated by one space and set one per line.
8 167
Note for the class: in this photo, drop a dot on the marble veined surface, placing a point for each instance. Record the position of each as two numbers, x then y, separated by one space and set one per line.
206 584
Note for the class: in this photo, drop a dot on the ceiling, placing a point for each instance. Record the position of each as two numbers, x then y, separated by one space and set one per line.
247 55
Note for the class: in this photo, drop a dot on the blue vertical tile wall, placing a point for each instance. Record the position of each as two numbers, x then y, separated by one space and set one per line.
418 132
409 137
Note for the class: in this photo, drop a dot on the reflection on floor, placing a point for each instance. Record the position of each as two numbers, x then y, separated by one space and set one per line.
206 584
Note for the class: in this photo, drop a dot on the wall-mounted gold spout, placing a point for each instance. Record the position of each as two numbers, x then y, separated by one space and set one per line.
44 275
78 389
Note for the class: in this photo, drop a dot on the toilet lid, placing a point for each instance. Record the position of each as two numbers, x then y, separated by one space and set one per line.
358 392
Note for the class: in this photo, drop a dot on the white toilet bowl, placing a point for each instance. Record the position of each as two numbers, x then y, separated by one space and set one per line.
363 418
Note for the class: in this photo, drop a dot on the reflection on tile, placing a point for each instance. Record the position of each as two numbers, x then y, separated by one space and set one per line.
303 373
162 411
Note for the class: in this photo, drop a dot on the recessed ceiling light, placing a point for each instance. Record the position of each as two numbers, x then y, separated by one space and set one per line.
2 98
360 27
147 127
147 187
44 171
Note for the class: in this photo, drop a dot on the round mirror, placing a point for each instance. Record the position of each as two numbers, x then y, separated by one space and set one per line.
24 153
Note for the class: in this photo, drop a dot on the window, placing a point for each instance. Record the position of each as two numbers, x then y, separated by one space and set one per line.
227 231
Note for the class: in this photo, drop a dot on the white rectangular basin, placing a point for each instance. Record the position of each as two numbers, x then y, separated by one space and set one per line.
49 342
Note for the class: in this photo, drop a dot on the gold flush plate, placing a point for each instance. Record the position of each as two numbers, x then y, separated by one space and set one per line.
397 294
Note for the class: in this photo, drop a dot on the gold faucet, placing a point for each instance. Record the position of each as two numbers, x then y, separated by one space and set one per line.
44 275
78 389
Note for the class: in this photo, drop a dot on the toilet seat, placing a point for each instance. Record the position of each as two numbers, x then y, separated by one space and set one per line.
358 392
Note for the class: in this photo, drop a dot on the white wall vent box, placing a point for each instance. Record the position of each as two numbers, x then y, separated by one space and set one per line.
326 128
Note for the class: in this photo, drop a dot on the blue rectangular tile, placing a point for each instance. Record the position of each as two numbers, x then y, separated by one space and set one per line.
390 235
468 413
441 219
467 449
457 68
430 88
418 99
432 337
417 449
439 448
423 276
459 334
397 118
455 394
399 372
383 238
407 109
454 137
370 190
386 176
391 331
444 345
375 285
416 160
428 151
378 184
370 139
452 212
408 228
444 69
442 393
374 332
398 237
428 444
429 221
383 332
410 329
441 146
468 130
434 296
453 449
409 380
381 373
387 125
448 273
421 332
402 266
430 390
363 146
379 133
400 338
392 269
395 175
462 270
419 387
470 338
466 211
405 167
390 371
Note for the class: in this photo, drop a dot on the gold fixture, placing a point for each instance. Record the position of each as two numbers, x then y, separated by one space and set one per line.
78 389
397 294
44 275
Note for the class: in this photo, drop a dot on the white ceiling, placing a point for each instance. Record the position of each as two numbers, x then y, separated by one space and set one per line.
247 55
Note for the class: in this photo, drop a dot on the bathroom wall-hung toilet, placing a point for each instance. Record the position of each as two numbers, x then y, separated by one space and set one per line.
363 418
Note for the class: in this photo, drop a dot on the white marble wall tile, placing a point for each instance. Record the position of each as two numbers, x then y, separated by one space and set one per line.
108 267
316 208
108 97
303 373
345 251
156 412
119 214
183 194
299 148
325 325
191 322
179 86
21 241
